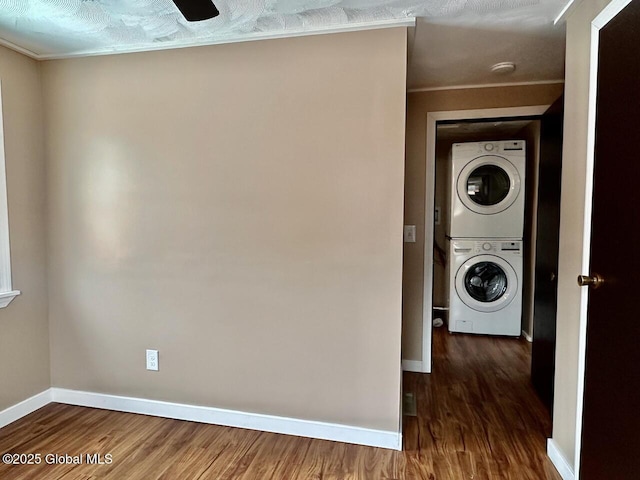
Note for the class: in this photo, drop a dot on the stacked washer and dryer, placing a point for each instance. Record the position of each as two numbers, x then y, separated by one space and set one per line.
486 222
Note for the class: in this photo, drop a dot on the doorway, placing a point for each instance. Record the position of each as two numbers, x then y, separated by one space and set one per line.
433 118
479 395
536 257
516 129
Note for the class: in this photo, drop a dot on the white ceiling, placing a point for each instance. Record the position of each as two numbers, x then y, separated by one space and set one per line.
460 50
454 42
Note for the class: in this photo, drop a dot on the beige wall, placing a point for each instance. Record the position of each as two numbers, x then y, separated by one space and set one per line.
239 208
418 105
24 331
572 222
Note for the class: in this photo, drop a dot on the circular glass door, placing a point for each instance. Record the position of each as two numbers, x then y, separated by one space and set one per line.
486 283
488 184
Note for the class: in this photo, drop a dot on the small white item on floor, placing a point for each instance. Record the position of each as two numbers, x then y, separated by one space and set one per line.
437 322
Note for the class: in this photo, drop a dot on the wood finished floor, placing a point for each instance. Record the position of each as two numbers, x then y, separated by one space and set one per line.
478 419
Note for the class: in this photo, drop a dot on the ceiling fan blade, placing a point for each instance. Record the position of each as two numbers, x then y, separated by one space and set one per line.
196 10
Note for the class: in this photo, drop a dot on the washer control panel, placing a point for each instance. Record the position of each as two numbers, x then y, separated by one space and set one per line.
509 147
486 247
513 247
492 246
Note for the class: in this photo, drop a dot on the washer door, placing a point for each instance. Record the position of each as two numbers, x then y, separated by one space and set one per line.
488 185
486 283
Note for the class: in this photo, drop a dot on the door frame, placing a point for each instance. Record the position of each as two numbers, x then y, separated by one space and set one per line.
429 202
598 23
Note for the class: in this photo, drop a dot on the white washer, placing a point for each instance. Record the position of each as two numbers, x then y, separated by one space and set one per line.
485 286
487 189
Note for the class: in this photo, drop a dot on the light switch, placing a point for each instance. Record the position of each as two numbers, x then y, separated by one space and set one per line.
410 233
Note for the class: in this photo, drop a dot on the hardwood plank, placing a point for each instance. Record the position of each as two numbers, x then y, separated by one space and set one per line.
478 419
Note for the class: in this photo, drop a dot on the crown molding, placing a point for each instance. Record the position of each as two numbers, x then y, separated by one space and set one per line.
251 37
485 85
566 10
19 49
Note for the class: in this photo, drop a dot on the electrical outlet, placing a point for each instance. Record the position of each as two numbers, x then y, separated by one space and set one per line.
152 360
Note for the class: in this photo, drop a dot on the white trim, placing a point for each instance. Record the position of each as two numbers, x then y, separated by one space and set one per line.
566 10
506 112
7 297
250 37
605 16
485 85
527 337
24 408
601 20
429 204
6 288
232 418
586 247
432 119
412 366
559 461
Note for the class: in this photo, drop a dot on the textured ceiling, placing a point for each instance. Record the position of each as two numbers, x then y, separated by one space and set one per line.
446 31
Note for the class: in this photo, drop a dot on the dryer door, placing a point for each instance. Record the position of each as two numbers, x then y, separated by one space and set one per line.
488 184
486 283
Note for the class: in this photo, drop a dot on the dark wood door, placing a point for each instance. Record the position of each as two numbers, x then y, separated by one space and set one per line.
611 417
543 355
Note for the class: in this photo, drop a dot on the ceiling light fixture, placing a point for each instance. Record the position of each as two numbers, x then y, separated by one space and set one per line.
503 68
197 10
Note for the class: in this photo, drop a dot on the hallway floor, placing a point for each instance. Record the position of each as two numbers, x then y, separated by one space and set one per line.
478 419
478 415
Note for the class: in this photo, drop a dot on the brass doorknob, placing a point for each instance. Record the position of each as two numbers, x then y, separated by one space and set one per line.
593 281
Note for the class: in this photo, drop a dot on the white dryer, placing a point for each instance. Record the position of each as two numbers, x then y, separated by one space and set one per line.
487 189
485 286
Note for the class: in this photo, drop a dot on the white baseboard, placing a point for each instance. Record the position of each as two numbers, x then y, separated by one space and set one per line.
412 366
24 408
559 461
528 337
215 416
232 418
